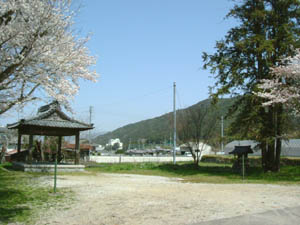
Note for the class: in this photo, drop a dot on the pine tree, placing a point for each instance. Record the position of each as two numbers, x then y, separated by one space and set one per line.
268 30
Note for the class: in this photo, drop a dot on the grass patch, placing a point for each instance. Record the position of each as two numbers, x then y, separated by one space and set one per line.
205 172
21 198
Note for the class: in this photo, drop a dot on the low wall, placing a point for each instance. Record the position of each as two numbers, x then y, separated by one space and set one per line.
47 167
133 159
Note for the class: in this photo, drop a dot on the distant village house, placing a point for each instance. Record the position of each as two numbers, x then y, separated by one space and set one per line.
114 144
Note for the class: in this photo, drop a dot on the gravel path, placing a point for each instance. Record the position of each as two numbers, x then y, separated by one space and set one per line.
112 199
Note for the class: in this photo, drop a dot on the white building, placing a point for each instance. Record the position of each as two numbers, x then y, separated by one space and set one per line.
99 148
112 142
204 149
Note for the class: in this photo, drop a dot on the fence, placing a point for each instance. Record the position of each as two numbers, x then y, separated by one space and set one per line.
133 159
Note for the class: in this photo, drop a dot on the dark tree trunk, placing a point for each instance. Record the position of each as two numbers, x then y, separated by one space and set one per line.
263 155
269 157
278 122
276 167
271 153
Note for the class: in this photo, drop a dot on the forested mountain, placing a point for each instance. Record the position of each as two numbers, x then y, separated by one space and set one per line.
159 129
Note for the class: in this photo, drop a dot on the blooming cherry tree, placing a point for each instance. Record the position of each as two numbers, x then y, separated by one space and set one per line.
284 87
39 53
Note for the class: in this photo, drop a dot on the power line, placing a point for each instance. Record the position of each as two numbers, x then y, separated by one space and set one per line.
140 96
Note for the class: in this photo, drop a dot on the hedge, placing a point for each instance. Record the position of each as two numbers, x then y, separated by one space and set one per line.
253 160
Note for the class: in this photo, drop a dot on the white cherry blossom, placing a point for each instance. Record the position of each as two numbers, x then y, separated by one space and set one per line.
39 54
285 86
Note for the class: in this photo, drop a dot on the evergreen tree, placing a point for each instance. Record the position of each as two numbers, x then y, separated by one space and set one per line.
268 30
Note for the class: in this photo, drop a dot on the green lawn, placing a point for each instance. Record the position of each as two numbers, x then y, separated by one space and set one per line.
21 199
206 172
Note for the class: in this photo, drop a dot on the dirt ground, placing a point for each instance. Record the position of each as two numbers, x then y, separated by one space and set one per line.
113 199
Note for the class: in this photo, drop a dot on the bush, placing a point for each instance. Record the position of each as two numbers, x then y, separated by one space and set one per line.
121 151
217 159
253 160
289 161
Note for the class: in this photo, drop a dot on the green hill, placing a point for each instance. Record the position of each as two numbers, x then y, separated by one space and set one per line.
156 130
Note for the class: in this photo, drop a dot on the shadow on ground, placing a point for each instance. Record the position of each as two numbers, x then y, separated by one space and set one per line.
12 200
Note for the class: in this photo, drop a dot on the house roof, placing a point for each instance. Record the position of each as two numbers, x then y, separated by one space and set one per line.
49 120
84 147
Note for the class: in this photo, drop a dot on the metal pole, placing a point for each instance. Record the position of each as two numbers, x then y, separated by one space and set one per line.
243 166
129 146
55 170
222 133
174 109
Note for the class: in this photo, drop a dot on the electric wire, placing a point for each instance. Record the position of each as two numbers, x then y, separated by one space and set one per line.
105 108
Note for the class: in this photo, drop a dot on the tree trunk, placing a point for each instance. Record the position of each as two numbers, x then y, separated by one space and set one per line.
278 121
276 167
271 154
263 155
270 157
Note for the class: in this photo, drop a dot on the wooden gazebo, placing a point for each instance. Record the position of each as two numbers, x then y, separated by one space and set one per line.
50 121
242 157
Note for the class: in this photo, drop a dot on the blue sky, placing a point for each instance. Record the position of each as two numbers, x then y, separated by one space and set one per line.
143 46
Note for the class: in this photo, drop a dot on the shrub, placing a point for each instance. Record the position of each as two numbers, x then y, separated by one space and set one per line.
253 160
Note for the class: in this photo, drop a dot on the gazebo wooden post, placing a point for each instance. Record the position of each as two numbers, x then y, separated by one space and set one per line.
59 148
19 141
77 148
30 148
30 141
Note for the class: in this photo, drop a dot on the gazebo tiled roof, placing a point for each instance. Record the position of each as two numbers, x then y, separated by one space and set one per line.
50 120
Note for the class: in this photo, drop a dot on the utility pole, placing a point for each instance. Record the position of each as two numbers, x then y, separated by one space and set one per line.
129 145
90 121
222 133
174 109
